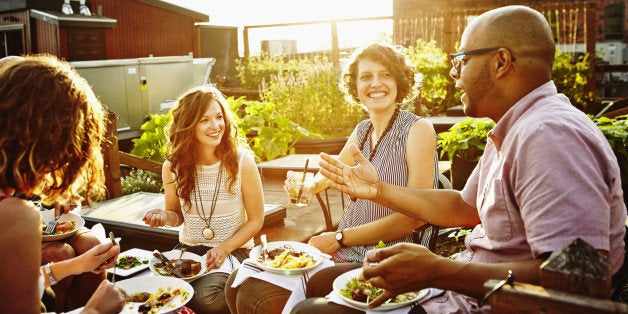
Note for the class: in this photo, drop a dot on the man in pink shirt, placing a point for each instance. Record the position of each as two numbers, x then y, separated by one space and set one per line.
547 175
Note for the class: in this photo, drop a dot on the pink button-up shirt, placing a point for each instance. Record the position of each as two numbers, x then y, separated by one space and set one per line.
547 176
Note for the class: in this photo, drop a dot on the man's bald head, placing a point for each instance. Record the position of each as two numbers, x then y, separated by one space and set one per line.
522 30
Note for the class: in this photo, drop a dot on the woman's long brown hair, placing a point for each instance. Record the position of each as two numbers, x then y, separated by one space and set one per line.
188 111
51 129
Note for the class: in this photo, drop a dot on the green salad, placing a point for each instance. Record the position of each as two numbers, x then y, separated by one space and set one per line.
128 262
364 291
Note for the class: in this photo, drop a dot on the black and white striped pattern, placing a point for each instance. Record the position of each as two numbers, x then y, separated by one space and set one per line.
390 162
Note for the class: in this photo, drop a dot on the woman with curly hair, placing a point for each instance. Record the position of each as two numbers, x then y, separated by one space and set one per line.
401 145
204 176
51 129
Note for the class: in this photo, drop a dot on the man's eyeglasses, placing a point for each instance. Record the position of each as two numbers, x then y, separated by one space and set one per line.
456 58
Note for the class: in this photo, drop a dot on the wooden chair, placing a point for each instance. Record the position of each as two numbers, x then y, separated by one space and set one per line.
566 286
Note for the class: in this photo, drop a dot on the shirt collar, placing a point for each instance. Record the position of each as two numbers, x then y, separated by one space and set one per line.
498 133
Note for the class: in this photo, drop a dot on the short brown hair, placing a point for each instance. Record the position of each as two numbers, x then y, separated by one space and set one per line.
393 60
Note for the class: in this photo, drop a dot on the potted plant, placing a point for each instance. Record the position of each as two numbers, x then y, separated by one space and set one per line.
266 131
463 144
616 132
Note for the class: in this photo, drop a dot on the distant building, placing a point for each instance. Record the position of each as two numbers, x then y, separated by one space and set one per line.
116 29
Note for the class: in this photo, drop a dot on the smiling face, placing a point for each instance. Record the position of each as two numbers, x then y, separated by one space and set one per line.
376 86
211 127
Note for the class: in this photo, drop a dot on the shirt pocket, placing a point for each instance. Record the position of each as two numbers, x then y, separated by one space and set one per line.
494 213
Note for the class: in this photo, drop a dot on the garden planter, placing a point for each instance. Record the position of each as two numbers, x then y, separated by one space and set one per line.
331 146
460 171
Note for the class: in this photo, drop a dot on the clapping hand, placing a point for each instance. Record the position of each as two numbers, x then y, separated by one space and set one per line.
360 181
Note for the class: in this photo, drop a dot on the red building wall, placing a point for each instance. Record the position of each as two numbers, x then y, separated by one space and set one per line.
46 38
144 30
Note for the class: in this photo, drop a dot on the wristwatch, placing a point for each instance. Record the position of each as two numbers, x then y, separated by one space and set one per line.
339 238
48 272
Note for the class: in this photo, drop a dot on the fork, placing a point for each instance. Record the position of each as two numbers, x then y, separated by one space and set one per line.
51 227
264 247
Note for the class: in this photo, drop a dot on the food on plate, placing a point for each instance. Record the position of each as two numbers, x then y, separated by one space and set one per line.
364 291
287 257
187 267
153 303
129 261
62 227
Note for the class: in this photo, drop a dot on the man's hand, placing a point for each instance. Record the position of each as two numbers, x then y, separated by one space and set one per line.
400 268
360 181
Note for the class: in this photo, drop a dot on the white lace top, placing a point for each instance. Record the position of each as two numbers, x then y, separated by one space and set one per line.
229 214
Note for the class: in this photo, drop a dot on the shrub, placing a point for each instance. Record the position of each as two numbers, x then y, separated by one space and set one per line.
437 89
139 180
465 139
571 78
313 99
264 129
152 144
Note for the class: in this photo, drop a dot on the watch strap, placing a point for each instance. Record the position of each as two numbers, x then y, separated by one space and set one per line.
340 238
49 275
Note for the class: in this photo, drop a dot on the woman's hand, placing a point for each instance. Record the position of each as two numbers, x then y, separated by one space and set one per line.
107 298
155 218
64 208
98 258
215 257
326 242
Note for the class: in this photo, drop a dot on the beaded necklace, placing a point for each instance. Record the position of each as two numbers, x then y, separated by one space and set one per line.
368 134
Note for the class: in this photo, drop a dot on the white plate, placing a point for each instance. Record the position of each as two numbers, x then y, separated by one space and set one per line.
341 282
80 222
256 252
174 254
142 255
151 284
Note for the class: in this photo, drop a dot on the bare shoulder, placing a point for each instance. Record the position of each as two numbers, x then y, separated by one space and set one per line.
423 126
15 210
20 219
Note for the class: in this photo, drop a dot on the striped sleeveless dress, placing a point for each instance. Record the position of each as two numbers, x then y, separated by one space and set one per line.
390 163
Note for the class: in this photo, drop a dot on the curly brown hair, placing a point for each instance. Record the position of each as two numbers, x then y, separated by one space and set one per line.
393 60
188 111
51 130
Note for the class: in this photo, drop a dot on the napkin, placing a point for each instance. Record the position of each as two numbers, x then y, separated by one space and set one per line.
432 292
99 232
295 283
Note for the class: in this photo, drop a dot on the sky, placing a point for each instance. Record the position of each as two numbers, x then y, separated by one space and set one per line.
258 12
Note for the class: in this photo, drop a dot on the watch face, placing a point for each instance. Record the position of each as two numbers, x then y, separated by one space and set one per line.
338 236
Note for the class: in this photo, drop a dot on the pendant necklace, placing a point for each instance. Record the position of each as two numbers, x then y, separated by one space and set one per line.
208 233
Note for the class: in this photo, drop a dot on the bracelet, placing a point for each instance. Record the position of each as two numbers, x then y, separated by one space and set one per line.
48 273
175 214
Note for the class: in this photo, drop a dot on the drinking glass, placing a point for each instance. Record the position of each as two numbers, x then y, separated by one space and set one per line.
297 185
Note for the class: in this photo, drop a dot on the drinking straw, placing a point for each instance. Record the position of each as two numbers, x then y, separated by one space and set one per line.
307 161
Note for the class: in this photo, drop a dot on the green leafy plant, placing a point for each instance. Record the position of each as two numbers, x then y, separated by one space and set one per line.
139 180
571 78
465 139
312 98
268 133
255 69
616 132
152 144
437 88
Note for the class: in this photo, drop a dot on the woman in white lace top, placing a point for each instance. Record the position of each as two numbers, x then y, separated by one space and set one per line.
204 178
